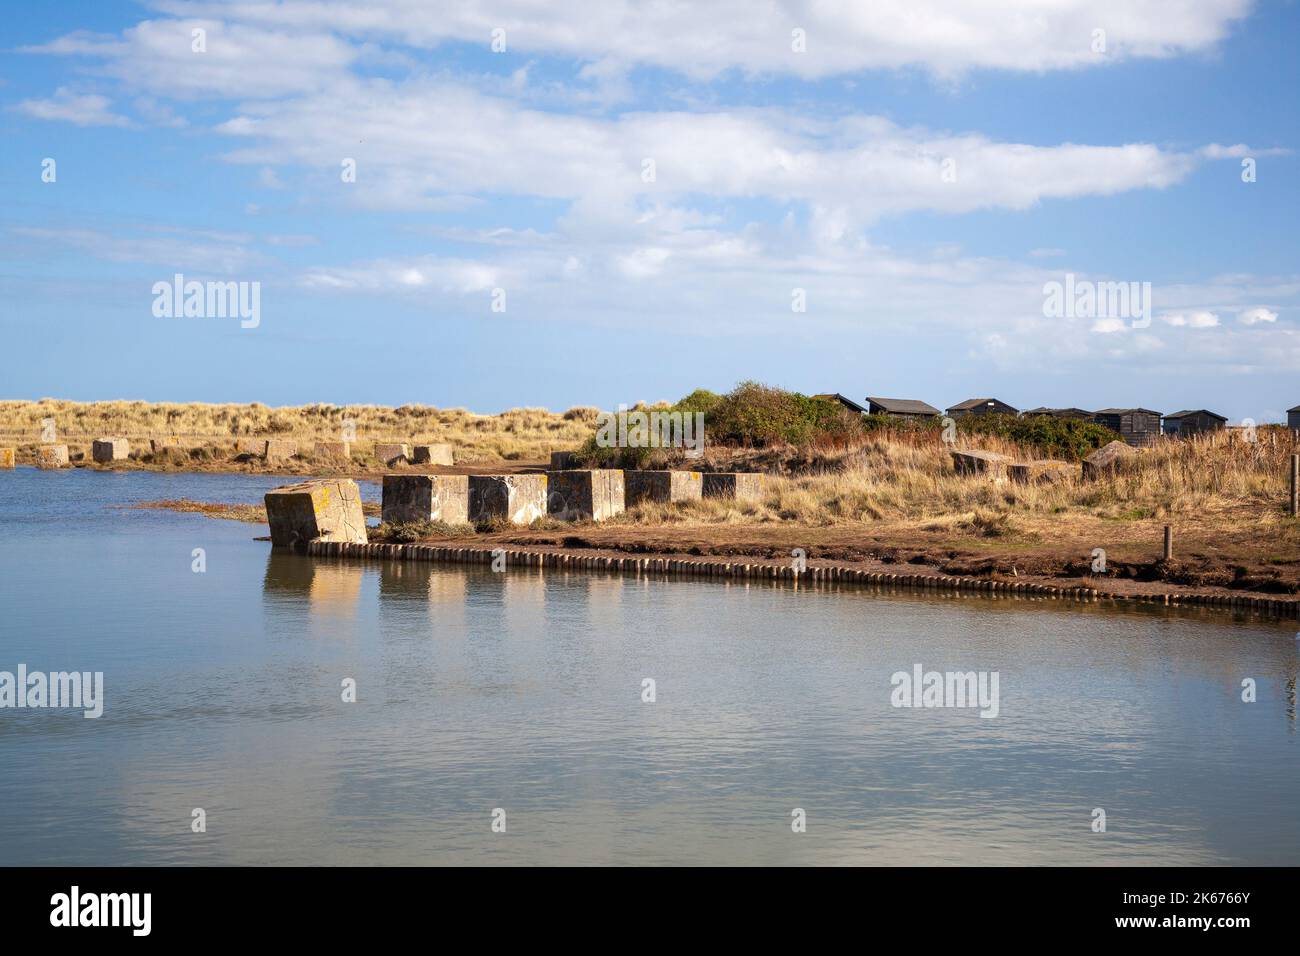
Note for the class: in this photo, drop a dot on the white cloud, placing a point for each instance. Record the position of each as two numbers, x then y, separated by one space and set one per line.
1195 320
427 141
945 37
1238 151
86 109
1256 316
1107 326
239 61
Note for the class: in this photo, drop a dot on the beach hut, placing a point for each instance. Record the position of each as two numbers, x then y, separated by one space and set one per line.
1139 427
1080 413
981 406
848 403
900 407
1193 422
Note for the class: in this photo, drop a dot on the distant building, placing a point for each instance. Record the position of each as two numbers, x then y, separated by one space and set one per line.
1193 422
1139 427
1080 413
1293 418
848 403
900 407
981 406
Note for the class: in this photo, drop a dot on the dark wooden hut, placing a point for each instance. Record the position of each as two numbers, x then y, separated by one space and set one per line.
900 407
1139 427
981 406
1193 422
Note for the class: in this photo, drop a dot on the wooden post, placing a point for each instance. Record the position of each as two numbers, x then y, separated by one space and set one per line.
1169 543
1295 484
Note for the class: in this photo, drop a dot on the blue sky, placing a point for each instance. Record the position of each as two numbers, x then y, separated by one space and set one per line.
775 169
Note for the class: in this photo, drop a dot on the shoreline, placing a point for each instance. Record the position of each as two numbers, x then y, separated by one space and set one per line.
817 573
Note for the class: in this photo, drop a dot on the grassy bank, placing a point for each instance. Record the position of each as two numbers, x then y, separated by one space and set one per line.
516 435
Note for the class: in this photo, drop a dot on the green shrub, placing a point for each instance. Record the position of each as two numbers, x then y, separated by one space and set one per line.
1069 438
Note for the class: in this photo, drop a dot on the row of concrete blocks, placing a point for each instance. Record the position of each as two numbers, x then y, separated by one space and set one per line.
998 468
282 449
817 574
590 495
57 456
330 509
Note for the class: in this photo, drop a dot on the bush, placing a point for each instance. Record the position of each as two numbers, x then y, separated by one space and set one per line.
757 415
1069 438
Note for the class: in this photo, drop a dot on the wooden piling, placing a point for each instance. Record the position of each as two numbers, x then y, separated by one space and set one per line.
1169 543
1295 484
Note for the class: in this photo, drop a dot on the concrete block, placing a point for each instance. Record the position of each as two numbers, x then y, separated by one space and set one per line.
433 455
251 446
328 509
518 499
974 463
585 495
1040 470
662 486
338 450
1109 459
563 460
7 458
52 456
389 453
159 444
280 450
744 485
413 498
105 450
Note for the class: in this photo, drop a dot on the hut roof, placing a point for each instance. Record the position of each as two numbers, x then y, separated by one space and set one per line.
837 397
1121 411
1197 411
1043 410
974 403
903 406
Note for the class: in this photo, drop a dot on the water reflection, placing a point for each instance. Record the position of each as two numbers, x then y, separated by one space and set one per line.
523 690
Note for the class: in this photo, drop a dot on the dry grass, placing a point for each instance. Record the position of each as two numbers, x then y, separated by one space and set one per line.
908 479
528 434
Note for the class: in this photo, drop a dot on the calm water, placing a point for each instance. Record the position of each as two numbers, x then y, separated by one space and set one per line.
522 691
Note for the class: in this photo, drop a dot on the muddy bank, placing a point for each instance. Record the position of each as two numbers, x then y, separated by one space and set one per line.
814 573
1219 566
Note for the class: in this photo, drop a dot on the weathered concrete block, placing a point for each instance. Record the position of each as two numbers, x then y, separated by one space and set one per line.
389 453
744 485
7 456
339 450
433 455
1109 459
1040 470
663 486
105 450
585 495
563 460
280 450
52 456
328 509
251 446
412 498
518 499
974 463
